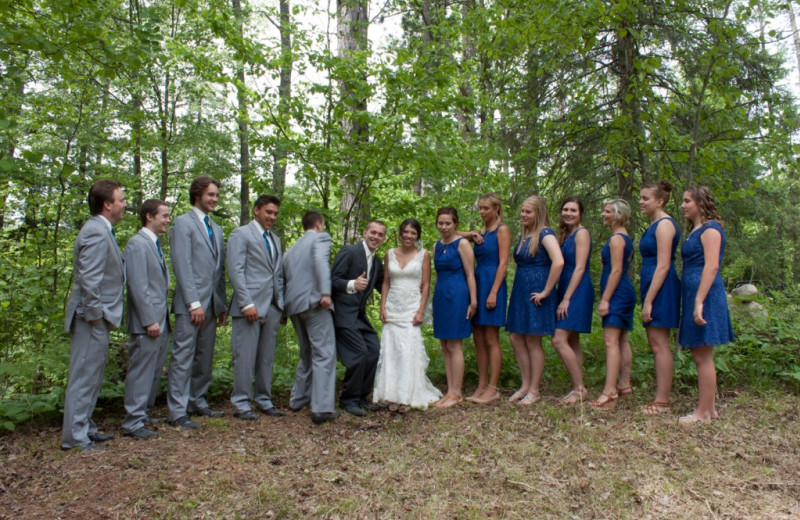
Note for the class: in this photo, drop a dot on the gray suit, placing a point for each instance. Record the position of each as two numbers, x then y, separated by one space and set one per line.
307 268
148 289
199 268
98 278
257 279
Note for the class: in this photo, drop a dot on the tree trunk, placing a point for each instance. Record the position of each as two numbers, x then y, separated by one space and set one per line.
795 36
281 152
242 120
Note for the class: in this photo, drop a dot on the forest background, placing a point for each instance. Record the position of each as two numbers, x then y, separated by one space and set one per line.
388 111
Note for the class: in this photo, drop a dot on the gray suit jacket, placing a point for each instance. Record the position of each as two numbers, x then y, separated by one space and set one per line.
148 284
307 268
98 276
256 278
199 269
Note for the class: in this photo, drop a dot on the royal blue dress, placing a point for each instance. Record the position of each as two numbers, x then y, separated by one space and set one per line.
451 295
622 302
524 316
667 303
718 329
487 256
579 314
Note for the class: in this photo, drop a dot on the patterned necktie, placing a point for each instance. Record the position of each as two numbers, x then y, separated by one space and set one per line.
269 247
210 234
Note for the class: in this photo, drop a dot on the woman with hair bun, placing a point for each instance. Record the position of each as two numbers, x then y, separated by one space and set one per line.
659 287
400 378
532 307
617 301
575 295
705 321
491 255
454 300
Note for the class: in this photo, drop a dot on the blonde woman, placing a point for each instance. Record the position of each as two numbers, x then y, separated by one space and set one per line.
532 307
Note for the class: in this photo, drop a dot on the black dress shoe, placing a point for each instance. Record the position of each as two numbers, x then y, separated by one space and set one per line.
141 433
354 410
247 415
319 418
100 437
272 412
185 423
207 412
298 408
369 406
91 447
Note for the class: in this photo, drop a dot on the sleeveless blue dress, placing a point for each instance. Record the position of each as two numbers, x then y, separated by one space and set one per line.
451 294
524 316
487 256
718 329
667 303
622 302
579 314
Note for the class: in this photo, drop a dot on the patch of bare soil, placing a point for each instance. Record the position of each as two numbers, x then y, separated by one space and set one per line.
471 461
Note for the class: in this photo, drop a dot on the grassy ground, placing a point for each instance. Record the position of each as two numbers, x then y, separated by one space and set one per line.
495 461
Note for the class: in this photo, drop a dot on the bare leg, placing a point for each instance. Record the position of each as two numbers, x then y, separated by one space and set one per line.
454 365
495 355
564 349
706 382
626 360
611 338
659 344
575 344
482 358
523 362
536 356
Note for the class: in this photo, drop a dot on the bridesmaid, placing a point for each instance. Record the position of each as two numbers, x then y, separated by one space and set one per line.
659 286
617 301
454 300
575 295
491 255
532 307
705 321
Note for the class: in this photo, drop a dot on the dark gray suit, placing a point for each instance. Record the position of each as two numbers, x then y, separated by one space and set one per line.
199 270
148 290
98 279
356 341
307 269
257 279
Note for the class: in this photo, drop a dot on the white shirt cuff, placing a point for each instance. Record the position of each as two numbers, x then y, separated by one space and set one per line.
351 287
248 306
194 305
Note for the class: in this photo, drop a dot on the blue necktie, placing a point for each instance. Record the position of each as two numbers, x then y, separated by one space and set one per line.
113 234
269 247
210 234
158 246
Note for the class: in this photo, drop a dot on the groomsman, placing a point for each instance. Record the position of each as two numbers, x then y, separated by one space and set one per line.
148 316
93 309
357 270
308 304
198 259
255 268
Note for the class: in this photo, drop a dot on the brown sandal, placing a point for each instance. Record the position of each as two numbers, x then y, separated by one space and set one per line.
609 404
657 408
624 392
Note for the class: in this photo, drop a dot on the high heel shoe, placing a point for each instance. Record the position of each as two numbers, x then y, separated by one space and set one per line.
608 404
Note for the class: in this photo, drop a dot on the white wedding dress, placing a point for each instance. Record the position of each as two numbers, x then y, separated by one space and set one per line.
400 376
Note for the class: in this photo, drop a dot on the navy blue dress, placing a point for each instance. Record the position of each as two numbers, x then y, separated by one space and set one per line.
667 303
718 329
451 295
622 302
579 314
487 256
524 316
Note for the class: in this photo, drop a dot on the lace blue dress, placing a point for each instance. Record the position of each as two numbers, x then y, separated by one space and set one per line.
451 294
524 316
579 314
487 256
667 303
718 329
622 302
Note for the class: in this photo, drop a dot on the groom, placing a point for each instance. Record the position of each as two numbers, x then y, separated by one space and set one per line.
357 270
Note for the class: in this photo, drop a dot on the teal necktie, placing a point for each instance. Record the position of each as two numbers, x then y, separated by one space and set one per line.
266 241
210 234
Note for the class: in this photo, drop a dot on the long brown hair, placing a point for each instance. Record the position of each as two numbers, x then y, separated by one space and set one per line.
563 229
701 196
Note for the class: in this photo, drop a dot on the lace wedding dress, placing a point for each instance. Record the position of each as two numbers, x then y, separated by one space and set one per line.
400 376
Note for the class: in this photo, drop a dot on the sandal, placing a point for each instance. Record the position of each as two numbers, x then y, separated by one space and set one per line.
575 397
529 399
489 395
475 395
608 404
624 392
393 407
691 419
656 408
516 396
403 409
448 401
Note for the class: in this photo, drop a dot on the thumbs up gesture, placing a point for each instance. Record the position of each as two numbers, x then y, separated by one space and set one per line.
361 282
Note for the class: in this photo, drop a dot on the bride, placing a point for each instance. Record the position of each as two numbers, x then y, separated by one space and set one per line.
400 379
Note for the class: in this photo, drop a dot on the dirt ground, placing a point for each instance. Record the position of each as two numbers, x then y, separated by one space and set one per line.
472 461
